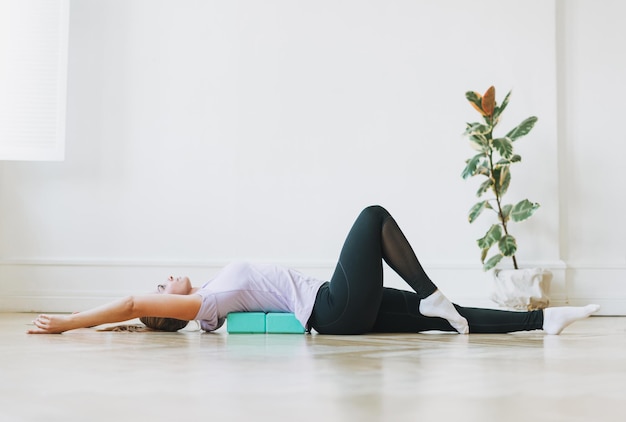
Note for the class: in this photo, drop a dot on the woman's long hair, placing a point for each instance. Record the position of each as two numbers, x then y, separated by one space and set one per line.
164 324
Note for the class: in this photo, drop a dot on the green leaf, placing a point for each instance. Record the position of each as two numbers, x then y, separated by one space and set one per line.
507 245
479 142
502 106
474 97
483 255
483 169
476 210
470 168
492 236
522 129
504 146
506 212
505 180
484 187
505 162
502 177
523 210
493 261
477 129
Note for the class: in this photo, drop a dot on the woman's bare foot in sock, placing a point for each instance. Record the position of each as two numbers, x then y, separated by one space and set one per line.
556 319
437 305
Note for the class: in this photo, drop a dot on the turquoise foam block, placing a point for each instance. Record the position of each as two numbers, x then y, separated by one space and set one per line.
260 323
282 323
245 322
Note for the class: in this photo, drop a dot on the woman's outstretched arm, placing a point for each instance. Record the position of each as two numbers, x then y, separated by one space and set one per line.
159 305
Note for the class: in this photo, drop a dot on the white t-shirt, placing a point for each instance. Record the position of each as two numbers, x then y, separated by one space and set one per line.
245 287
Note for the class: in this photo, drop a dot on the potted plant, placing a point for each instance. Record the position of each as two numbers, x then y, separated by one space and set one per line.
517 288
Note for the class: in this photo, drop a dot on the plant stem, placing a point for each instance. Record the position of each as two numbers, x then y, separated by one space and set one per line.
503 223
497 192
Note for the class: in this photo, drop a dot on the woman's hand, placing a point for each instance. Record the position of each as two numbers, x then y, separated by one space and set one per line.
51 324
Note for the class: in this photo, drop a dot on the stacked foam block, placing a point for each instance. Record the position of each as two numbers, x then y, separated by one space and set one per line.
261 323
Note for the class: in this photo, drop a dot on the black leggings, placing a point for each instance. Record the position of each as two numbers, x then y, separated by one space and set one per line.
355 301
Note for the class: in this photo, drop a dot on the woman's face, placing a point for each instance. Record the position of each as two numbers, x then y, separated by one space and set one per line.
175 286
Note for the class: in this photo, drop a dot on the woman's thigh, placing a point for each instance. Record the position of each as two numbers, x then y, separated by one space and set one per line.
349 303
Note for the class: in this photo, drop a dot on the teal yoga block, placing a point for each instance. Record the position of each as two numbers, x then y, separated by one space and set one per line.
245 322
282 323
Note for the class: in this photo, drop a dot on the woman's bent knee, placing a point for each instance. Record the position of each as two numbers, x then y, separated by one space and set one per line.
375 210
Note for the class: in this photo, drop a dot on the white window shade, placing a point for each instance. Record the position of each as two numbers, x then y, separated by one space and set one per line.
33 78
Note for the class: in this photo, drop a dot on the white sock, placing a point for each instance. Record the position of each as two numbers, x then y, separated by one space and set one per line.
437 305
556 319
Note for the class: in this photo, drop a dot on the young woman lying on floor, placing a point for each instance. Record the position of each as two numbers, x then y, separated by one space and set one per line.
354 301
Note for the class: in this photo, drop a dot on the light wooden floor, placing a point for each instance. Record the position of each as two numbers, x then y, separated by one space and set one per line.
87 375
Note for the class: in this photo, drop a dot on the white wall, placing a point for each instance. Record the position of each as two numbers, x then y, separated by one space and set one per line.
201 132
592 145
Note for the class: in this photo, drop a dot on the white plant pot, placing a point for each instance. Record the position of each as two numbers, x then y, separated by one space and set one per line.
522 290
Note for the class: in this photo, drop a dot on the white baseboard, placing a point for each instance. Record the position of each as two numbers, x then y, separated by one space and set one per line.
74 285
601 283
